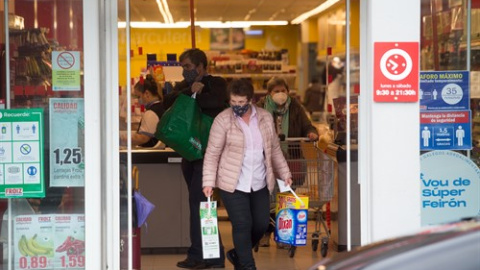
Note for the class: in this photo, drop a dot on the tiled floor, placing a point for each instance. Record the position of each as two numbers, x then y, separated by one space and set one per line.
267 258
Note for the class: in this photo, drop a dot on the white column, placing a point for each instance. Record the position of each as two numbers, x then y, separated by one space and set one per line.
389 165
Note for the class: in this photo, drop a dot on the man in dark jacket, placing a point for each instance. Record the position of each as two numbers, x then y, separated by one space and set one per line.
211 96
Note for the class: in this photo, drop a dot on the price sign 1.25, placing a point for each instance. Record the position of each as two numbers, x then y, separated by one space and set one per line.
68 156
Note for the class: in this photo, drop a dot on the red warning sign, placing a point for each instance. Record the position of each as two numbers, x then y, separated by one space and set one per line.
65 60
395 72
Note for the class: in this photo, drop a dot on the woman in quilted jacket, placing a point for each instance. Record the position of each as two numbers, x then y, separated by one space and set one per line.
243 159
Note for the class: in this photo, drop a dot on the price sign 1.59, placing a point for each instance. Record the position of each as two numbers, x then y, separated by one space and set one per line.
72 261
68 156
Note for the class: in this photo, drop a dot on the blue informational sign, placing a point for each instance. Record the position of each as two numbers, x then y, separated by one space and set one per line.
444 90
450 187
445 130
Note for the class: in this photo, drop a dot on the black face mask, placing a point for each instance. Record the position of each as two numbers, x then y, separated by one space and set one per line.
240 110
190 75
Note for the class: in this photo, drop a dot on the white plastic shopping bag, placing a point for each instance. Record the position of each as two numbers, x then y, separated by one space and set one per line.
209 229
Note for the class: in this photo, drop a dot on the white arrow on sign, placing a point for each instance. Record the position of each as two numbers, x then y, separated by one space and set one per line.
393 63
443 140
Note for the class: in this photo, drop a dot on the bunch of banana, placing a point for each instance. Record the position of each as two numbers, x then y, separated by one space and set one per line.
32 67
31 247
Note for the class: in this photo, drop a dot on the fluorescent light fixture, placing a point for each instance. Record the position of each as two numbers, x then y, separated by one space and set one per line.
219 24
314 11
152 25
165 11
202 24
268 23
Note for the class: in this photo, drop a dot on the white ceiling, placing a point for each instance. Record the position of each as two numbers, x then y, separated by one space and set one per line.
219 10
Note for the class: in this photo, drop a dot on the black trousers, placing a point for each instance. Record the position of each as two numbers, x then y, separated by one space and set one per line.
192 172
250 215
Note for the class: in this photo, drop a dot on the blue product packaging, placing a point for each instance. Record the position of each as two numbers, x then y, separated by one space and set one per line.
291 226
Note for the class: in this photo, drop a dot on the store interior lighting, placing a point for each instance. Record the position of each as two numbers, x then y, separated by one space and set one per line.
203 24
314 11
165 11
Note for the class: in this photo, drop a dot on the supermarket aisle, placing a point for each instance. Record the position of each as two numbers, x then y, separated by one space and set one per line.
267 258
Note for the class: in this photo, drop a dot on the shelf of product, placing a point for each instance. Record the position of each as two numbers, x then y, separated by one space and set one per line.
31 57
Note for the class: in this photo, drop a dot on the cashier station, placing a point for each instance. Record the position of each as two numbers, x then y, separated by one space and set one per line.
161 182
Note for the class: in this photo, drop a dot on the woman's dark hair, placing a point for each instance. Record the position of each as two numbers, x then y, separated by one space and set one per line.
197 56
148 84
241 87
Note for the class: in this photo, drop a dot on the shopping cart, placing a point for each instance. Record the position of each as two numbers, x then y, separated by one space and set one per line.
312 174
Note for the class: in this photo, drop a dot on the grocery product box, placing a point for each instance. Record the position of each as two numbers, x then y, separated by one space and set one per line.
287 200
291 216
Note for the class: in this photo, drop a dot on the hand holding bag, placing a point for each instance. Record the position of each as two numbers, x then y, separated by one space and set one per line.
184 128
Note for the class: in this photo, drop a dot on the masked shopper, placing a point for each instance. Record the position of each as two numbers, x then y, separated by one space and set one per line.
212 99
147 91
243 153
289 116
290 121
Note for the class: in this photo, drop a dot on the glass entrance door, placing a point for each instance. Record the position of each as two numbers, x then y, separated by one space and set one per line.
45 176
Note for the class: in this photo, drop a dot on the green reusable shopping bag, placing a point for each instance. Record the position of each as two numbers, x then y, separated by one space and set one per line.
184 128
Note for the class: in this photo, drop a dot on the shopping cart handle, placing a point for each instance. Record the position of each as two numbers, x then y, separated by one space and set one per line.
298 139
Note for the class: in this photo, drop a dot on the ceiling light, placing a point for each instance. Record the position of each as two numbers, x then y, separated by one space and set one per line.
152 25
202 24
314 11
165 11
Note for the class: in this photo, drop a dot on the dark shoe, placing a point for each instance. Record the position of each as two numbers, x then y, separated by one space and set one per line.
191 264
213 265
232 257
265 241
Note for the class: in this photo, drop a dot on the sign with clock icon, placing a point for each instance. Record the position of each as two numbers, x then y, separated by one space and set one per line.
396 75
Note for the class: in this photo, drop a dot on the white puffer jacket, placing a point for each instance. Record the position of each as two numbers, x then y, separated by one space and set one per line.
223 159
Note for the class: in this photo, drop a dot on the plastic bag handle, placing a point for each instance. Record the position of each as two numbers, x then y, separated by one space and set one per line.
209 207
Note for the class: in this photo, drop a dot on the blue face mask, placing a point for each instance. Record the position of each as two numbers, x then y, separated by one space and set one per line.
240 110
190 75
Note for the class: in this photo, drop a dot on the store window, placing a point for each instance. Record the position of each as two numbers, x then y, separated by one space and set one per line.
42 164
449 107
450 45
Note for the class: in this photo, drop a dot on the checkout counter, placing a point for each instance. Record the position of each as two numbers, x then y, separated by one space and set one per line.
161 182
339 202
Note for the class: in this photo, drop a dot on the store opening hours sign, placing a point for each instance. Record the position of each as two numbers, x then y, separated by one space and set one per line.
395 72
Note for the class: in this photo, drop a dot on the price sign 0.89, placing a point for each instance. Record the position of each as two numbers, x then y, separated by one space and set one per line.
67 142
36 262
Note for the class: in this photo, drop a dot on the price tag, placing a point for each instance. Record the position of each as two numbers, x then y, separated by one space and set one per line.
67 142
35 262
34 243
72 261
69 241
